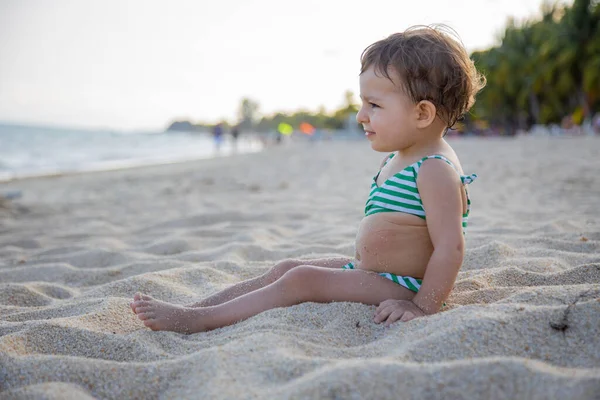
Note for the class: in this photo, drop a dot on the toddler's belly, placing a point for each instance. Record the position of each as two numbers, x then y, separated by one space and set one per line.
393 242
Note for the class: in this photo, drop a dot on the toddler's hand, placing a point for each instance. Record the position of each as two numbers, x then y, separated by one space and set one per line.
391 311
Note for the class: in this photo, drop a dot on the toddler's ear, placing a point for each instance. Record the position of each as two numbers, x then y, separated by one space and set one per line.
426 113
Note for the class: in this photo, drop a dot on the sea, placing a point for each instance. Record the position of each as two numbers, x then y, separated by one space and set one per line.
30 151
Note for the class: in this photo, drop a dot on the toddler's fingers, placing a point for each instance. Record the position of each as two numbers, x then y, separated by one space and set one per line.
378 318
395 316
384 304
407 316
382 314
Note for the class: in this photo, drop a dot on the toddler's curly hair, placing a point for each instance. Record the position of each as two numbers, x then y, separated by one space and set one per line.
431 65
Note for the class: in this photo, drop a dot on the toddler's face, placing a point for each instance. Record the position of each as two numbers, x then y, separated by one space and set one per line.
387 114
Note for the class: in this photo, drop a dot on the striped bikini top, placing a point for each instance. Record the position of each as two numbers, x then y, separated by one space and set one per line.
400 193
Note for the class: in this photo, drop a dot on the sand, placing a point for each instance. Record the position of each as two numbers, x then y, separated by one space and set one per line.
523 320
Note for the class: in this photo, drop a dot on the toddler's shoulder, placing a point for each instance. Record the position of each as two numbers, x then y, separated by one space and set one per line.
438 169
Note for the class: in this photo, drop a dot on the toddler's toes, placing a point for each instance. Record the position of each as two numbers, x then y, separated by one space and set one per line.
146 316
141 303
151 323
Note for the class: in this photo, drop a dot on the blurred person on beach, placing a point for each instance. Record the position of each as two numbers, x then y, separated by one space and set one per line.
235 133
596 123
414 86
218 135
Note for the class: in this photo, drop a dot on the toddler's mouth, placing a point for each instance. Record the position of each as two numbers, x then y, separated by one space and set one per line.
369 133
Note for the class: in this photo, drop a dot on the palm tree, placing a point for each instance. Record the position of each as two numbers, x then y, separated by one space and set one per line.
579 24
545 69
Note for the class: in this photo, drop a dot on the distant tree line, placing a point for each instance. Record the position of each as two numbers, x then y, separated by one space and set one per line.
249 118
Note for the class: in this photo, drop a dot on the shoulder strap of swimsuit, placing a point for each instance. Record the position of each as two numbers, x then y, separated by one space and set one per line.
465 179
384 163
389 158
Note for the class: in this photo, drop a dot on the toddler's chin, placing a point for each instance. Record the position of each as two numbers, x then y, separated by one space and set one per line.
377 147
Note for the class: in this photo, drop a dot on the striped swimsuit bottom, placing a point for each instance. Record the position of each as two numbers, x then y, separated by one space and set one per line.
406 281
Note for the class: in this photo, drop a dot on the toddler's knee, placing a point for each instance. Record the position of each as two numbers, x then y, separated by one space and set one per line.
282 267
301 276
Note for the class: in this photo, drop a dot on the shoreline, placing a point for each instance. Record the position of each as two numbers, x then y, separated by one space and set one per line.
28 152
124 165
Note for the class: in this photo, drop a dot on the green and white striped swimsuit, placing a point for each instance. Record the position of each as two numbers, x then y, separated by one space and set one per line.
400 194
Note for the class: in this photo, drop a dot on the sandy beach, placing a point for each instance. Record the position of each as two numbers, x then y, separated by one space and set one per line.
523 321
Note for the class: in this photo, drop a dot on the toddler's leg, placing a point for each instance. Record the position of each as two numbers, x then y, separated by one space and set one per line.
301 284
250 285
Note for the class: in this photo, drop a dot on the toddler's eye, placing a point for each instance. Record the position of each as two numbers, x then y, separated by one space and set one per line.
373 105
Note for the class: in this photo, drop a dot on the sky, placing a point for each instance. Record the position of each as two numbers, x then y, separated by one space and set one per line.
138 65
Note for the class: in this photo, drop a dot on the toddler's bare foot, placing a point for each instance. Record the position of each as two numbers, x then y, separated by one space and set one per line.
162 316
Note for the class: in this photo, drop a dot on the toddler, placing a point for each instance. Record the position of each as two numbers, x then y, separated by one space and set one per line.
414 86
